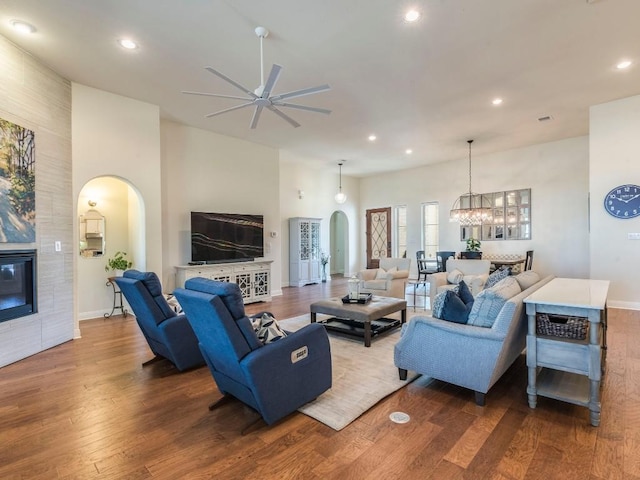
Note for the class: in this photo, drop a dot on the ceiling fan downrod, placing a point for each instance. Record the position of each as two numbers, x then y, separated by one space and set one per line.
262 33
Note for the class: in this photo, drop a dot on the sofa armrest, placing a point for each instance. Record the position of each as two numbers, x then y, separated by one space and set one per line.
438 279
400 274
464 355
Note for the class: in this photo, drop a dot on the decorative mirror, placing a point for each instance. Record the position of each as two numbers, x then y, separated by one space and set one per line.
511 217
91 234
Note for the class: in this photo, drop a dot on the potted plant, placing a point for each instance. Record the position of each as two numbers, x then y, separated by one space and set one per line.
118 263
473 248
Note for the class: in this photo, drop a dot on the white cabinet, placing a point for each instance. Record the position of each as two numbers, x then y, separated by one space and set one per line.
304 251
253 278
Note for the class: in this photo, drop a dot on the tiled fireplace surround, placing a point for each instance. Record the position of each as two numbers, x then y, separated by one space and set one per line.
38 99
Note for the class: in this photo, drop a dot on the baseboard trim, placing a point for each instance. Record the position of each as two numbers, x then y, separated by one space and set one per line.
623 305
91 315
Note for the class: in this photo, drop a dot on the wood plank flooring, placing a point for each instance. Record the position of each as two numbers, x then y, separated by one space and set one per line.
88 409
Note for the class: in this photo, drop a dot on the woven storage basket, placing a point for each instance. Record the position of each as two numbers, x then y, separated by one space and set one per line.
562 326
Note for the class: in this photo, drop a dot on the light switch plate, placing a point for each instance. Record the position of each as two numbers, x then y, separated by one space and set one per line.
58 246
633 236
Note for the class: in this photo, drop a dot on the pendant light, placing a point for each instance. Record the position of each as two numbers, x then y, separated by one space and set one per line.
340 197
468 209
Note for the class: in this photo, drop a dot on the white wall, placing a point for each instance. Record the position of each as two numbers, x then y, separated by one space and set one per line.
320 185
34 97
556 172
204 171
120 137
614 161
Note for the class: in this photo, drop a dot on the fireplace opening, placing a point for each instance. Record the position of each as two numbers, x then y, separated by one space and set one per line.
17 283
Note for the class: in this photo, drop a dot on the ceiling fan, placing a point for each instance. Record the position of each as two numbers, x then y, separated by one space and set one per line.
261 97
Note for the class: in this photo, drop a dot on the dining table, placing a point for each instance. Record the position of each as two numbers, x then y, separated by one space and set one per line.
504 263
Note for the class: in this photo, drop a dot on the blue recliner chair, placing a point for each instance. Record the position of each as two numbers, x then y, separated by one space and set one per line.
274 379
168 334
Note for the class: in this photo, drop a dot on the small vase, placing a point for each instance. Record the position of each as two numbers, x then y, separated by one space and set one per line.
324 273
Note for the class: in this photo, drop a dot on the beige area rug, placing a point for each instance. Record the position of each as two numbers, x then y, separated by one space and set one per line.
361 376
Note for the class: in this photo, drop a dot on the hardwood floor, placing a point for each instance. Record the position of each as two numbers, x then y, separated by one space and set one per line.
88 409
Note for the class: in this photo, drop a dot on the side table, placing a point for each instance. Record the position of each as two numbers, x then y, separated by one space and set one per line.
566 369
117 299
416 284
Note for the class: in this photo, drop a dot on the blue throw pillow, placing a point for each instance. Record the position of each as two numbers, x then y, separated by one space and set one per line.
462 290
496 276
454 309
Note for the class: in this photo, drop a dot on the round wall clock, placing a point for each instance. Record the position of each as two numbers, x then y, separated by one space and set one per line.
623 201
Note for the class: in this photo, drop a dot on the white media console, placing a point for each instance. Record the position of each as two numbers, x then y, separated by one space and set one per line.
253 278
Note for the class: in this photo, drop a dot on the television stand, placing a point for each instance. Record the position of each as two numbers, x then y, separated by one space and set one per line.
253 278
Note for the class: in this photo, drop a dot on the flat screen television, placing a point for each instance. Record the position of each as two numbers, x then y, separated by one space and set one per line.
226 237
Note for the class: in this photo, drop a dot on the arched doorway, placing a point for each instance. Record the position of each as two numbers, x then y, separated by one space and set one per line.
122 230
339 243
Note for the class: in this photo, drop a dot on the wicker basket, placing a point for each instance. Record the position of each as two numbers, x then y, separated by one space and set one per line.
562 326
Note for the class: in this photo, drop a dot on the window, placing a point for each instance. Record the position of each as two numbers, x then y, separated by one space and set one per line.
430 229
400 231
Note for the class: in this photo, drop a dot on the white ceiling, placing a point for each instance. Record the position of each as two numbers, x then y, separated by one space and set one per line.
427 86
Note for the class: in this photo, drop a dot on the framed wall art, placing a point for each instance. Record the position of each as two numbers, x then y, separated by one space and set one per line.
17 184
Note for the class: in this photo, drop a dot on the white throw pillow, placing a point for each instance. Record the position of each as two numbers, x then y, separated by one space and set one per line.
527 279
475 282
455 276
381 274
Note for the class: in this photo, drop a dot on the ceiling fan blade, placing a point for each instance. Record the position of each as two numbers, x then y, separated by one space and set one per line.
209 115
256 116
271 81
301 93
302 107
232 82
284 116
216 95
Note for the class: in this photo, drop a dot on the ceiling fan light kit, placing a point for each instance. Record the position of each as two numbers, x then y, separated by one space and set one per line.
261 97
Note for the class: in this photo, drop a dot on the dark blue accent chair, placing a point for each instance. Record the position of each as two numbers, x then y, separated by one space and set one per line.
265 377
168 334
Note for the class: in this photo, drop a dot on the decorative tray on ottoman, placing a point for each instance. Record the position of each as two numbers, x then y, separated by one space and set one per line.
362 298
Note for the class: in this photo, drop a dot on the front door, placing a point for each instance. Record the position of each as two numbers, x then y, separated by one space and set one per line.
378 235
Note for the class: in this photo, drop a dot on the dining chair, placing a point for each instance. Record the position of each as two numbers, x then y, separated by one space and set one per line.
425 267
528 262
441 258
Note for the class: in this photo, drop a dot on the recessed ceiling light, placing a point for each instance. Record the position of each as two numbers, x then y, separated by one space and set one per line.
372 138
496 101
624 64
127 43
408 151
412 15
23 27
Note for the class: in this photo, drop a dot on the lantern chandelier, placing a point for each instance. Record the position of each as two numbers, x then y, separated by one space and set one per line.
468 209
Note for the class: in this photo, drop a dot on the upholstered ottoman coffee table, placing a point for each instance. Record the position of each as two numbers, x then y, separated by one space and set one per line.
364 321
